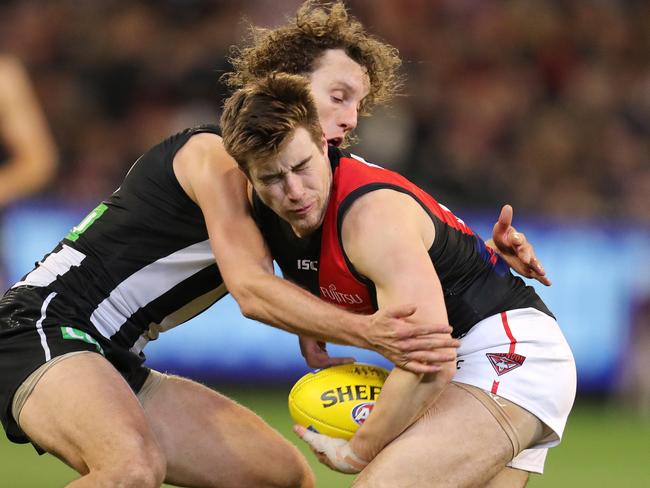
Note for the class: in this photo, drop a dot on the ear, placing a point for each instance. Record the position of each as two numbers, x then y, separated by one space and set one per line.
249 192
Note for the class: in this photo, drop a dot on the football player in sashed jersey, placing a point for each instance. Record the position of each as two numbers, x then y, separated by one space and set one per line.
377 239
72 331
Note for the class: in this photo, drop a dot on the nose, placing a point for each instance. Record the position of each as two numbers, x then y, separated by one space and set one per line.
293 187
348 118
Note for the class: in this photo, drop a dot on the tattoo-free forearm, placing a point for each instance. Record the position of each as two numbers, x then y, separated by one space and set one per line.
404 398
278 302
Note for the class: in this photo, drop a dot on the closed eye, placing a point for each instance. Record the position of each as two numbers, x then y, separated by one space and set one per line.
300 168
269 180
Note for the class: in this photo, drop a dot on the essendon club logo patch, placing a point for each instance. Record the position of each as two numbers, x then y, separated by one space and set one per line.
502 362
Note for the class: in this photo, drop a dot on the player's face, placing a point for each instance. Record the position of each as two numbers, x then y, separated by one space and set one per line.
295 184
338 86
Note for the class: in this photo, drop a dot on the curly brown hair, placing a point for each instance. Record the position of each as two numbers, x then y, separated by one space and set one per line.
258 119
296 47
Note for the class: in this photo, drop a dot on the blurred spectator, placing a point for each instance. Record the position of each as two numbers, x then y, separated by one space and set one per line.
545 104
27 151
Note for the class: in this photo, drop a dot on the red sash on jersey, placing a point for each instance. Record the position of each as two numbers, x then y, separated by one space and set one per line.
338 284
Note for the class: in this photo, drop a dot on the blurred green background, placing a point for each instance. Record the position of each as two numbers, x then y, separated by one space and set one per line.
604 445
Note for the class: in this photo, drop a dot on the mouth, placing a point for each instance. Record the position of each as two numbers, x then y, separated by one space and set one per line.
302 211
335 141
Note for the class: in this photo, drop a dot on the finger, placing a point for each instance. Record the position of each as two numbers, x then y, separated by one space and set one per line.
312 438
544 280
504 221
517 239
537 266
525 254
429 329
337 361
417 331
428 342
300 431
433 357
318 363
401 311
419 368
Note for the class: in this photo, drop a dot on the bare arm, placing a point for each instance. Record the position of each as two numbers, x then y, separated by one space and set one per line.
24 131
386 235
211 178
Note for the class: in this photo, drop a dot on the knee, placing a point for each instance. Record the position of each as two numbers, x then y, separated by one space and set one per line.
289 470
301 476
143 466
144 473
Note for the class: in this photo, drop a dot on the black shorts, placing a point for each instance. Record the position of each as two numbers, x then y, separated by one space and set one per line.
29 338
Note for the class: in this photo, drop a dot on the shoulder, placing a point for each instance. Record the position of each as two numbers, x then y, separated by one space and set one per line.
204 145
203 167
203 152
380 206
386 214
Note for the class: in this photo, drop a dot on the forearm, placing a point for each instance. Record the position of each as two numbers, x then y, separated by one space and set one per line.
404 398
275 301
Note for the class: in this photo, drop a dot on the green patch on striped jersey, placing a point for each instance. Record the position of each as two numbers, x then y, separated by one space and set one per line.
79 335
89 220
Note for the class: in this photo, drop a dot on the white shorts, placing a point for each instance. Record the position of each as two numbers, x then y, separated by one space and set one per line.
521 355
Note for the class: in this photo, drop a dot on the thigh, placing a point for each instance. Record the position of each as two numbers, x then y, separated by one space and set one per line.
509 478
210 440
84 412
457 443
521 426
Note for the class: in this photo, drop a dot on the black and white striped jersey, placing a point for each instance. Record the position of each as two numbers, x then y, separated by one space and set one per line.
140 263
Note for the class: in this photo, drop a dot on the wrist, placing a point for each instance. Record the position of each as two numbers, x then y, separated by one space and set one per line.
353 460
354 330
362 448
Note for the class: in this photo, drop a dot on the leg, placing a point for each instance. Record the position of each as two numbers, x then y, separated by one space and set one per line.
457 443
211 441
83 412
509 478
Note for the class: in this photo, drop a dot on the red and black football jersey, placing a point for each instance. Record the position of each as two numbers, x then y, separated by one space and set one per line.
476 282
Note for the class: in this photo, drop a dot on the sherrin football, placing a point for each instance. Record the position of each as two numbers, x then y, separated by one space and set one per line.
336 401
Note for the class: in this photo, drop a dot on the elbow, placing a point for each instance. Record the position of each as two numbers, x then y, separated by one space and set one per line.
248 309
37 170
46 171
245 297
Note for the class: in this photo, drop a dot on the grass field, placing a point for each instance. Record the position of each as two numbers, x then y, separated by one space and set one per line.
603 446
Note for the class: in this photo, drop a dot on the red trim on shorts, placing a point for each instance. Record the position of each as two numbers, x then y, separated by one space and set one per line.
495 387
513 341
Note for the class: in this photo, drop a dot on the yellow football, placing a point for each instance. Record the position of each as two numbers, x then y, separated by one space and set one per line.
336 401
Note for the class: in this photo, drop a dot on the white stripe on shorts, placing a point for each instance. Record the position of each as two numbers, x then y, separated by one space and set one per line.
39 326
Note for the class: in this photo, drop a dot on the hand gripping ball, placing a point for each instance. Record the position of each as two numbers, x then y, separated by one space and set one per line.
336 401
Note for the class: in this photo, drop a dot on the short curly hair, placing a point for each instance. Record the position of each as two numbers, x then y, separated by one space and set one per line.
296 47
